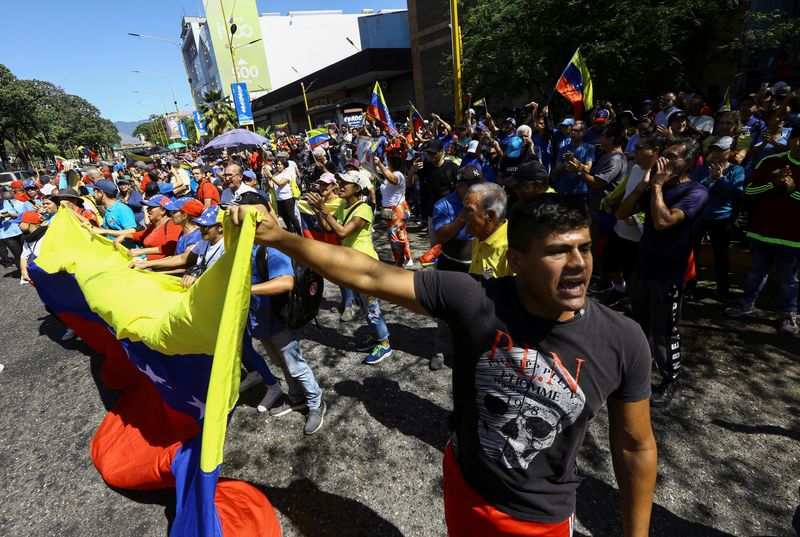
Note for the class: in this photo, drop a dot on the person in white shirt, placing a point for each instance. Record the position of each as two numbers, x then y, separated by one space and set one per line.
395 211
281 183
30 223
181 182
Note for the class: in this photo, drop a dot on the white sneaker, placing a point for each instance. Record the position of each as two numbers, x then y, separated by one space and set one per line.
68 335
409 264
251 379
2 367
273 392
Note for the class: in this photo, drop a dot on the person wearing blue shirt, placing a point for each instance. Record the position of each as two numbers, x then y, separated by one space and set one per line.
116 215
272 276
725 184
450 232
10 233
568 184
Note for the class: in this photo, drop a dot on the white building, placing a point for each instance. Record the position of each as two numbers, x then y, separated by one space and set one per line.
295 45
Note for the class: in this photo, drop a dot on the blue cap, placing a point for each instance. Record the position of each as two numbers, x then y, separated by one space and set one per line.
29 184
514 147
166 188
601 114
250 174
209 216
177 203
568 121
104 185
158 201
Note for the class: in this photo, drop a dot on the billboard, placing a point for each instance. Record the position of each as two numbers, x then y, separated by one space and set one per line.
251 62
172 126
241 99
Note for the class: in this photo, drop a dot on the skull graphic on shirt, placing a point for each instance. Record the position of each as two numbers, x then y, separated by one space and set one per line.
524 400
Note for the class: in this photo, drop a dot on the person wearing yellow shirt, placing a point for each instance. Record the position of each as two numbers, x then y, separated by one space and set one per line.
352 223
484 215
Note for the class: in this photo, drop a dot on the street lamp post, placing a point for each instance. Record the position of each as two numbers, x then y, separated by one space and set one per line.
180 49
163 103
165 77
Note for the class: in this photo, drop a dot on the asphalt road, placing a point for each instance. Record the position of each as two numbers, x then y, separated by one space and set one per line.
729 450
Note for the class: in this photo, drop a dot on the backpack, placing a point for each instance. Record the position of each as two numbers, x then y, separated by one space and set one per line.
300 305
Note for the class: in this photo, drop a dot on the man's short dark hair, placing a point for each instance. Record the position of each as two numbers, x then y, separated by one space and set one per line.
656 141
689 149
616 133
543 215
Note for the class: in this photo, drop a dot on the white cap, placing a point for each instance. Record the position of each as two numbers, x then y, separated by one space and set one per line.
357 178
473 146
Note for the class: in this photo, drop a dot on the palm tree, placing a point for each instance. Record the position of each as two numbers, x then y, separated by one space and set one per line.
218 113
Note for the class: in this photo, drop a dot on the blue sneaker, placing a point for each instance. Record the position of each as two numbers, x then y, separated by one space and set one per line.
377 355
367 345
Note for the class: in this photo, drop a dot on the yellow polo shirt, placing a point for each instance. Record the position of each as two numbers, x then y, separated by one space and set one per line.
489 256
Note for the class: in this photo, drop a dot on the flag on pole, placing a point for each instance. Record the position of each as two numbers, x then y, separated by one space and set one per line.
88 152
480 102
59 162
281 127
575 84
377 108
415 119
317 137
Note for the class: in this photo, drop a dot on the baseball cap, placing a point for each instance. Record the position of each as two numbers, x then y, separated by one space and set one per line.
794 133
327 177
29 217
470 175
250 174
473 146
514 147
433 146
630 114
723 142
356 178
123 181
16 184
353 163
208 216
601 116
567 121
166 188
677 115
29 184
531 171
158 201
104 185
44 179
190 206
510 120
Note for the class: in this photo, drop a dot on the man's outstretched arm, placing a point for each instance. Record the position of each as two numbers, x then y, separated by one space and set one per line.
635 458
343 266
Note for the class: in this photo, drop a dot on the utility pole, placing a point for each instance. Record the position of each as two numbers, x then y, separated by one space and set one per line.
455 36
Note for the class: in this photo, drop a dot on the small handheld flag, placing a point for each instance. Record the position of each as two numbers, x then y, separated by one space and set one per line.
480 102
377 109
575 84
415 119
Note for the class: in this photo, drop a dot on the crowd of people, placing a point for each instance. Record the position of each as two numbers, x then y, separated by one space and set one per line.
524 217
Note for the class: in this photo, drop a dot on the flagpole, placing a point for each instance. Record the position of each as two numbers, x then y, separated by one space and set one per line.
456 39
553 92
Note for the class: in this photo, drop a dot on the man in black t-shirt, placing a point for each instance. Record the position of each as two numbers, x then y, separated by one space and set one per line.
436 175
534 361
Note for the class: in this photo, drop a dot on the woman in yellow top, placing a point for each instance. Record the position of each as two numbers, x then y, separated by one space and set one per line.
352 223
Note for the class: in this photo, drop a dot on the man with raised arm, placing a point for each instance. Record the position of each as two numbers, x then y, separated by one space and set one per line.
534 362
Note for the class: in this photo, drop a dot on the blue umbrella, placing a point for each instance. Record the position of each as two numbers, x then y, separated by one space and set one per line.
236 138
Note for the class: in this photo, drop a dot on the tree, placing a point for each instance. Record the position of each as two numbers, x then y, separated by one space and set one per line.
633 48
218 113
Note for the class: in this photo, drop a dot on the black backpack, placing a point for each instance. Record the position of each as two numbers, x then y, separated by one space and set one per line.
300 305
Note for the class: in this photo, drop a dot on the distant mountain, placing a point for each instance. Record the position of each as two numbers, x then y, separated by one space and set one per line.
127 127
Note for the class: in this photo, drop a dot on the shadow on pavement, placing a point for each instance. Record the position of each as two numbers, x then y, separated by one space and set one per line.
398 409
598 510
758 429
163 497
316 512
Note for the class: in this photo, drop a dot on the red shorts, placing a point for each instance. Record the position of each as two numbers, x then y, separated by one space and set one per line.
467 514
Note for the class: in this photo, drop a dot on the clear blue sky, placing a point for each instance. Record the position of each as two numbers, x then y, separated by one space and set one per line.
84 47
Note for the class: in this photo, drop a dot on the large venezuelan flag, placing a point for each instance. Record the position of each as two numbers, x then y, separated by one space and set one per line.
175 354
575 85
317 137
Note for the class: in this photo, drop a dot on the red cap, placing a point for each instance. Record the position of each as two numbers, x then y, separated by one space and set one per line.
31 217
16 184
193 208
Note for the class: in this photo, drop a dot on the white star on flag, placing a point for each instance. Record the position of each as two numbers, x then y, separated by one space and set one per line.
195 402
148 371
